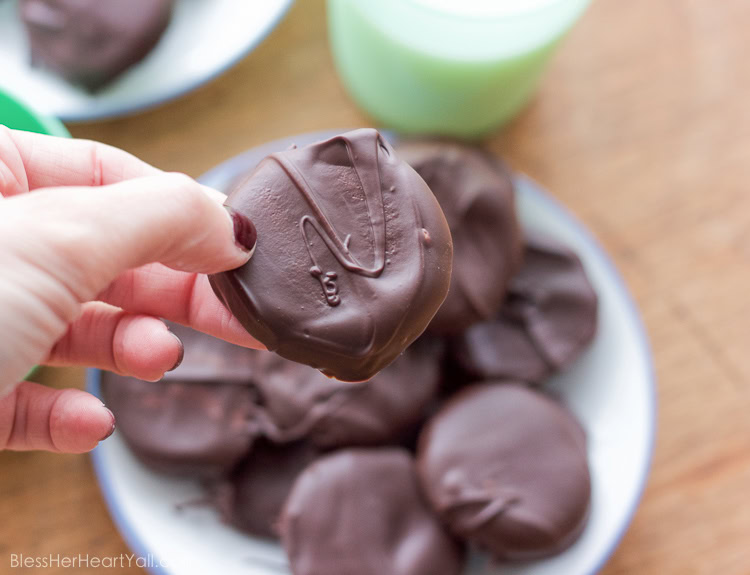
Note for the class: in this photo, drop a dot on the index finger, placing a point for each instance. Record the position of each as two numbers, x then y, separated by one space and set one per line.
49 161
181 297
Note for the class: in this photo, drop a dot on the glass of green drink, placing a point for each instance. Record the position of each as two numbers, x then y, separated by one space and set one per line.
448 67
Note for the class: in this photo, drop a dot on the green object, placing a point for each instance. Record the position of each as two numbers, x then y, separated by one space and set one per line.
447 67
32 372
18 116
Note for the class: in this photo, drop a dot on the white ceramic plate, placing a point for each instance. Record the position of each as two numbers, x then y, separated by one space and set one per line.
611 389
204 39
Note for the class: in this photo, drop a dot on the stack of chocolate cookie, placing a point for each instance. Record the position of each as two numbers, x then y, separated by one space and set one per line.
453 444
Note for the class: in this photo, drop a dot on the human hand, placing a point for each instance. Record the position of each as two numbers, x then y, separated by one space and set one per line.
95 246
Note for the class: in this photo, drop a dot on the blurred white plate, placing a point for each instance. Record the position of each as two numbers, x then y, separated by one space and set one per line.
611 389
204 39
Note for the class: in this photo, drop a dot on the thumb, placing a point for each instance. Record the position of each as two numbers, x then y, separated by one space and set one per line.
83 238
60 247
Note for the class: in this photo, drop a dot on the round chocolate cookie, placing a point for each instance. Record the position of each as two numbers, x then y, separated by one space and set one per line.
199 419
300 402
475 191
548 319
506 468
360 511
252 496
197 429
90 42
353 255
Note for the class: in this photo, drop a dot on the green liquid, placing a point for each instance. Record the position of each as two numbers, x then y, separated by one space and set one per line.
408 87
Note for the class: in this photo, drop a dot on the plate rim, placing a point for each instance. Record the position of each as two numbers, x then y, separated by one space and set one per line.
597 251
123 110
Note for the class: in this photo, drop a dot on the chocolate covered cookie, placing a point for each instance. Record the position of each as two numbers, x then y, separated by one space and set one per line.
252 496
300 402
353 255
548 319
197 429
475 191
506 468
90 42
360 511
200 419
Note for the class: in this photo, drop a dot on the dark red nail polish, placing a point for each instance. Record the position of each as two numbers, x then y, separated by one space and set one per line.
180 355
111 429
245 233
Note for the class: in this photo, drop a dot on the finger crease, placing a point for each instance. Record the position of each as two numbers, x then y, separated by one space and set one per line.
97 166
19 427
117 350
50 435
10 184
12 400
190 292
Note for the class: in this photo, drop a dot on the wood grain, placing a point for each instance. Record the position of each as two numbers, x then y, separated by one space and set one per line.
642 127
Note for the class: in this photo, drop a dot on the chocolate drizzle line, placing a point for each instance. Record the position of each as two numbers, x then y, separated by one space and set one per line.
369 179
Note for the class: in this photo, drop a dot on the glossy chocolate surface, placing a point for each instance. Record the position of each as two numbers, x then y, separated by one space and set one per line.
353 256
549 318
506 468
475 191
90 42
360 512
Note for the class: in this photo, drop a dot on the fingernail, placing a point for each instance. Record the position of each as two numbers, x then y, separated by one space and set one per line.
181 354
111 429
245 234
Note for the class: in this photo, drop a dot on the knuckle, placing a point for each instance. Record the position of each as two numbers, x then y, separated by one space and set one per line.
190 198
184 189
179 181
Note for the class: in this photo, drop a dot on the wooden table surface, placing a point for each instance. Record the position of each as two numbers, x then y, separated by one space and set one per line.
642 127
